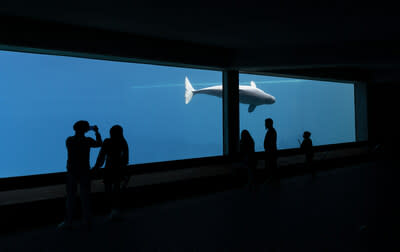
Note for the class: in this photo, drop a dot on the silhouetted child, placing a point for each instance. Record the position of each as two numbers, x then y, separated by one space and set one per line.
248 158
115 153
307 148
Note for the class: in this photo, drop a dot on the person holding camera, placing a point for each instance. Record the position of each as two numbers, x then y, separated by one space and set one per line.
78 171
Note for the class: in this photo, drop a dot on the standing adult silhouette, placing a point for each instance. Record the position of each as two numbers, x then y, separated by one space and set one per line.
115 154
78 169
270 150
248 158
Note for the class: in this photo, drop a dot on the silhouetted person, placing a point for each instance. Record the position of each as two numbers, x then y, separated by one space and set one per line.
248 158
307 148
270 149
78 168
115 153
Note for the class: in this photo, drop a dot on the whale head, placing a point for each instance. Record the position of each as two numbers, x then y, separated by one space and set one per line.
269 99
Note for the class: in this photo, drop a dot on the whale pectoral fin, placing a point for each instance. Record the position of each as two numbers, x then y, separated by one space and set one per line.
251 108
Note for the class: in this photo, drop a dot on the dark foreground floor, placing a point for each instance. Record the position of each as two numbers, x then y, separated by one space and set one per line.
347 209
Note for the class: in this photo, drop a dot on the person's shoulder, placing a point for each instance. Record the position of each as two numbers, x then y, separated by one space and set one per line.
106 142
70 138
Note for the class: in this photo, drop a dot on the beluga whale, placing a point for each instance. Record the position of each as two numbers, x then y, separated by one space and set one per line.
247 94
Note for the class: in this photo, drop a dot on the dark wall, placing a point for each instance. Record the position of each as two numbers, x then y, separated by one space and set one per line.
383 114
38 36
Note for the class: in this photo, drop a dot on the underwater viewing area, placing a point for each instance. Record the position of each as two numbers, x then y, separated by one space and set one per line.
223 126
199 127
40 105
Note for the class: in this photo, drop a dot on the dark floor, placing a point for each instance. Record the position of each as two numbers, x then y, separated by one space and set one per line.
347 209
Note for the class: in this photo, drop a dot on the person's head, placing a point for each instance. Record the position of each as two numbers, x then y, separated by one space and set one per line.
268 123
81 127
245 135
116 132
306 134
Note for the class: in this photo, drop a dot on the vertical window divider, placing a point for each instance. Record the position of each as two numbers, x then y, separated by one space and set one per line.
230 101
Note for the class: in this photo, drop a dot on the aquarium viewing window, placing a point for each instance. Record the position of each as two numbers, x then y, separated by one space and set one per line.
41 97
167 113
326 109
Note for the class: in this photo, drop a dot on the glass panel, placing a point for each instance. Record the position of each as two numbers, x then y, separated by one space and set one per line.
41 97
326 109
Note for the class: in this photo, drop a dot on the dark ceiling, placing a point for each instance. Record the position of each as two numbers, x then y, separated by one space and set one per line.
339 40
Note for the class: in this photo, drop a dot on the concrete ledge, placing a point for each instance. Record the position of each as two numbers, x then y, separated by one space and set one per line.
287 164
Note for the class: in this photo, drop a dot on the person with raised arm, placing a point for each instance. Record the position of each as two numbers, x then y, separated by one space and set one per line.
78 171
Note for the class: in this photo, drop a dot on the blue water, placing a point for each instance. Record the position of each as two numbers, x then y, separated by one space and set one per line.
326 109
41 96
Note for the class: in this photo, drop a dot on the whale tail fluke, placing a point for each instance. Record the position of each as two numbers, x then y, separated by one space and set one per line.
188 91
